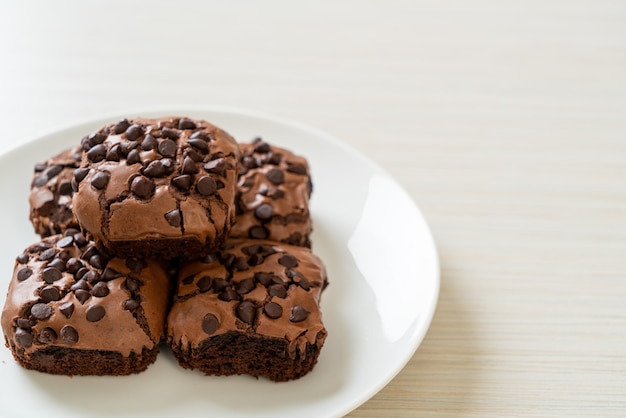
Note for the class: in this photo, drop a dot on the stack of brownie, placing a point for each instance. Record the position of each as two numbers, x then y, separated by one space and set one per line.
168 230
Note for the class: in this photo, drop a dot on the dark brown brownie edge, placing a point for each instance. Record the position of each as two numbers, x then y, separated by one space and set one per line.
186 248
234 353
75 362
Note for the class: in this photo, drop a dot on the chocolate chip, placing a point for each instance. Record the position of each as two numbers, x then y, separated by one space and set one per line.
154 169
288 261
278 290
264 278
240 264
167 148
204 284
193 154
130 304
170 133
110 274
275 194
296 168
206 186
168 165
80 285
96 138
228 259
90 276
89 252
126 147
53 171
210 323
246 286
173 218
200 135
24 273
219 285
217 166
188 279
80 174
276 176
73 265
47 254
51 274
81 273
47 335
65 242
82 295
97 153
23 337
262 148
182 182
65 188
199 144
23 258
25 323
69 335
133 132
95 313
49 294
273 310
39 167
228 294
149 142
142 187
100 290
189 166
132 284
58 264
41 311
263 212
100 180
298 314
246 311
114 153
186 124
121 126
40 181
133 157
67 309
255 259
303 283
97 261
258 232
79 239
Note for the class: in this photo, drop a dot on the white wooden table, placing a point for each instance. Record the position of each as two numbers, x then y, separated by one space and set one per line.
505 121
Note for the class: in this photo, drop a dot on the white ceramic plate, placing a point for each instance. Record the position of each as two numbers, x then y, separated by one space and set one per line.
384 282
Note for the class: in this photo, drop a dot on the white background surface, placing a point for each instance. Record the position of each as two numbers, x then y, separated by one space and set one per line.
505 121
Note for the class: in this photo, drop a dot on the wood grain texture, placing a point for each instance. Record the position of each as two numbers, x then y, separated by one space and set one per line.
505 121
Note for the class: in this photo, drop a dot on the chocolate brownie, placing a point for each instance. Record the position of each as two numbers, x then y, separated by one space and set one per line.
157 187
273 194
72 309
51 193
252 308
